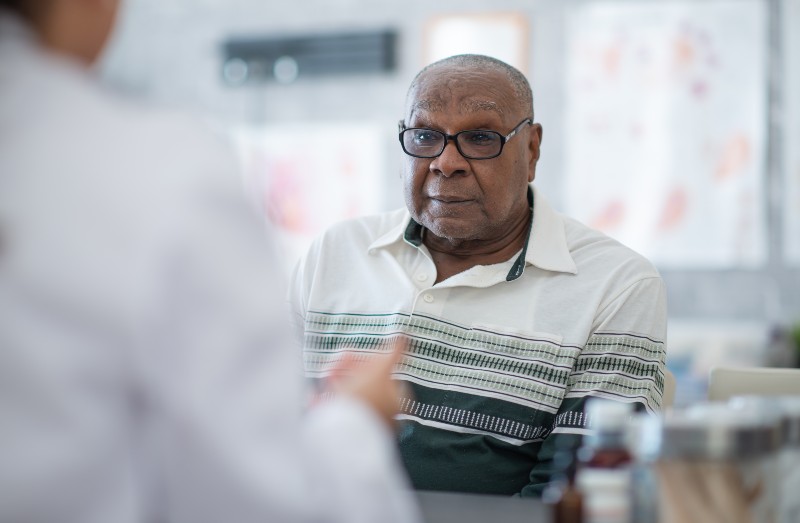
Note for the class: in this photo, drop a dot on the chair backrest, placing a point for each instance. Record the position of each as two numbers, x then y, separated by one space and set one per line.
669 390
725 382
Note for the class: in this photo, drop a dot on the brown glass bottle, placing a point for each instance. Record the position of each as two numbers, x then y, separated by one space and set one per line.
605 463
569 507
562 494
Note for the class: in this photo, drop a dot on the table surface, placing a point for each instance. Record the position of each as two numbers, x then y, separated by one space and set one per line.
449 507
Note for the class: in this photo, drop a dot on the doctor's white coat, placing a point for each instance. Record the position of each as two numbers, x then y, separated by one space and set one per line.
146 367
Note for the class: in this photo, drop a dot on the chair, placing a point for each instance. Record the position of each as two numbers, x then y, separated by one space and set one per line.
725 382
669 390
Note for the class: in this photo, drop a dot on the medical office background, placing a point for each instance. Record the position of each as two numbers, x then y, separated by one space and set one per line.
673 126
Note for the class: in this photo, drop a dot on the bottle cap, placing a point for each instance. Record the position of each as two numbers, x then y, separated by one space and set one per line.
605 414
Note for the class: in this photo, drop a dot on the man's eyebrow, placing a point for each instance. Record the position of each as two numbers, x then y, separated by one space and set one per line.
474 106
427 105
467 106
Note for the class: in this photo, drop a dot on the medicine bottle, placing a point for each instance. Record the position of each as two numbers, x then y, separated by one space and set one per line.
562 493
605 463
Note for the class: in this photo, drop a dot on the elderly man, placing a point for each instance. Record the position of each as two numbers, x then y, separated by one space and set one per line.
517 314
145 373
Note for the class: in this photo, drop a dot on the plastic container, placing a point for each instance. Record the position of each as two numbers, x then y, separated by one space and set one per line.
787 462
715 463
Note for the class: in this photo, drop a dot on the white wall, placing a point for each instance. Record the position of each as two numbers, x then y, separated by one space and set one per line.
169 50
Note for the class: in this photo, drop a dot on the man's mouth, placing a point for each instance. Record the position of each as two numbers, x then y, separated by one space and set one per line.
450 199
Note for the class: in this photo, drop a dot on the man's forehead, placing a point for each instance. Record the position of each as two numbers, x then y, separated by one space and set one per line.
463 91
465 106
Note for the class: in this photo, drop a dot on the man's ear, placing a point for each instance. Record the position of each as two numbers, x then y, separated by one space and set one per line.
535 145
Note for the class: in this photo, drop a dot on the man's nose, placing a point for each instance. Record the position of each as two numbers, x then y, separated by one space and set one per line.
450 162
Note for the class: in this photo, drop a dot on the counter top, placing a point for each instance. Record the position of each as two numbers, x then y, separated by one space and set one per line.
450 507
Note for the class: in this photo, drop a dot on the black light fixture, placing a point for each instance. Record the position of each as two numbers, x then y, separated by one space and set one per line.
286 59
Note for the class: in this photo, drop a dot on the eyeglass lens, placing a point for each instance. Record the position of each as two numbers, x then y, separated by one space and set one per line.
474 144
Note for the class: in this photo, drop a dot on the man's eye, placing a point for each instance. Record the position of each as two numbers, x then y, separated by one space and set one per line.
426 137
478 138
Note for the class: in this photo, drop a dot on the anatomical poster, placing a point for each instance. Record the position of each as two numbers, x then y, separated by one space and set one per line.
665 128
307 177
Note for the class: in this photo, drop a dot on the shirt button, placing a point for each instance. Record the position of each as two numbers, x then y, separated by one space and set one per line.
422 276
428 298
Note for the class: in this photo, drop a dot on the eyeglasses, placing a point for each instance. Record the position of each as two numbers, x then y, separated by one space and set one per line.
475 144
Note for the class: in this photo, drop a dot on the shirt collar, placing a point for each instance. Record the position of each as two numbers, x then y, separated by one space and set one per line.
546 246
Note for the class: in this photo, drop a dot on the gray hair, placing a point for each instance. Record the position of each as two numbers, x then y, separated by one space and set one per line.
520 84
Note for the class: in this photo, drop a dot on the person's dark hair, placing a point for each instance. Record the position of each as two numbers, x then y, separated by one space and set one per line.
26 8
14 5
519 83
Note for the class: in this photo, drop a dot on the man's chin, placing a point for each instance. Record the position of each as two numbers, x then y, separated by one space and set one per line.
453 230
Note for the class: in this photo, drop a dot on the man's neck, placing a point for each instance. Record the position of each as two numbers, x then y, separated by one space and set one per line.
452 256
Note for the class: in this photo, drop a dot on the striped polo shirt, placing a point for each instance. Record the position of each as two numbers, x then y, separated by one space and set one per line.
501 357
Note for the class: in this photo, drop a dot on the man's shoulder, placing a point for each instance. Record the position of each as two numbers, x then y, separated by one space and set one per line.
364 230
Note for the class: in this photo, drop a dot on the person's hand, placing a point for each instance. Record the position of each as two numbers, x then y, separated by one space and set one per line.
369 379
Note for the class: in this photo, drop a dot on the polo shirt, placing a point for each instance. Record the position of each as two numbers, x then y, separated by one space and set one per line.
501 357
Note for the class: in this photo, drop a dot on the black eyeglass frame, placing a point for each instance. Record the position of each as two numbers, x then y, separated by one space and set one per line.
454 137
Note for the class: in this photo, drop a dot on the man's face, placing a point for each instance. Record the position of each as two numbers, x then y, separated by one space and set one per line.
454 197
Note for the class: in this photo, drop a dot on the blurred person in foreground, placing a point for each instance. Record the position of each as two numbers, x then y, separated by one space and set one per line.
516 314
145 369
